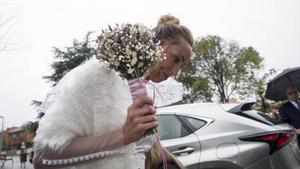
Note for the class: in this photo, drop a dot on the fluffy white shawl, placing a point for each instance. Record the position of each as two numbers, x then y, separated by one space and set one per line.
89 99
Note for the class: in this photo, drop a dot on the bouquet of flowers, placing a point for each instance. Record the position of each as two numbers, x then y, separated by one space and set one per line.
130 50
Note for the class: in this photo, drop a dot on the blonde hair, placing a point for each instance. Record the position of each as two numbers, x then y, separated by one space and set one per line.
169 29
154 160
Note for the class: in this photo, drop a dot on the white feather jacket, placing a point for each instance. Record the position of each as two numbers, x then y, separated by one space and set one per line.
90 99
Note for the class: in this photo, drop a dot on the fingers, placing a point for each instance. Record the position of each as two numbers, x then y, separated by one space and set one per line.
142 115
146 109
143 127
148 126
140 118
140 102
146 119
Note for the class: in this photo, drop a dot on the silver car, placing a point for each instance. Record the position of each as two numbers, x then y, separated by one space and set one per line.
227 136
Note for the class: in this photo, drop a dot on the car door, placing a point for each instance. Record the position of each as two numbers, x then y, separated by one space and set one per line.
179 139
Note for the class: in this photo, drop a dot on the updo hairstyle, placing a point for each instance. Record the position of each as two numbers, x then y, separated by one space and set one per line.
169 29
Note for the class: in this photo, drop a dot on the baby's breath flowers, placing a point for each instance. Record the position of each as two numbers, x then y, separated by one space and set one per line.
129 49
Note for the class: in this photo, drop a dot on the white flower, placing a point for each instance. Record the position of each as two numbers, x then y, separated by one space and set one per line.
127 50
130 71
134 59
141 64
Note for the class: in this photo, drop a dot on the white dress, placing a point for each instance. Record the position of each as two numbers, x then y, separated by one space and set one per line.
90 99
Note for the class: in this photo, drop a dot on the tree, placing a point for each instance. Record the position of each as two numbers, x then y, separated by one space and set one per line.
70 58
228 68
36 104
31 127
197 87
259 85
6 33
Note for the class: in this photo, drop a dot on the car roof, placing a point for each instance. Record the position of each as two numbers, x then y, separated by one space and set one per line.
211 111
227 107
198 108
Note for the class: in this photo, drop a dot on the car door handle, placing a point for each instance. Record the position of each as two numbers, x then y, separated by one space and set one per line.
185 151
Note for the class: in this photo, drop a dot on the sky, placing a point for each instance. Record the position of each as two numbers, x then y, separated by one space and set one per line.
272 27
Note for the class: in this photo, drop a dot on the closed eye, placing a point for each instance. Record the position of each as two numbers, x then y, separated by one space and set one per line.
177 59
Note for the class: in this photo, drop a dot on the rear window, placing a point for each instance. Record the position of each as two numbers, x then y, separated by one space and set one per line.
193 123
259 116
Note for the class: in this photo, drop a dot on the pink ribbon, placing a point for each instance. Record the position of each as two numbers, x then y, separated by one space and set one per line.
142 83
156 136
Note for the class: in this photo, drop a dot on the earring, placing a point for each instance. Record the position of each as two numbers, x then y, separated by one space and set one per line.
164 56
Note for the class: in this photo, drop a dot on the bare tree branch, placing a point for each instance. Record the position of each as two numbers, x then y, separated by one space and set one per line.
6 27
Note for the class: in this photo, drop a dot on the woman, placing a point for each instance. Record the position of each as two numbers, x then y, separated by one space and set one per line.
86 124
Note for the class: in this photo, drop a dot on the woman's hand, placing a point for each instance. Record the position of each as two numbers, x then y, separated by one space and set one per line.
140 118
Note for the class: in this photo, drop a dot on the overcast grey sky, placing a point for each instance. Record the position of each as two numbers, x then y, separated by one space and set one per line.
272 27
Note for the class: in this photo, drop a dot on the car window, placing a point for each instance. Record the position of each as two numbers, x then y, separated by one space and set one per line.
193 123
171 127
261 117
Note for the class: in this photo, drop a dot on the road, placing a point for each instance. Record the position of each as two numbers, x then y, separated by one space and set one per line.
16 164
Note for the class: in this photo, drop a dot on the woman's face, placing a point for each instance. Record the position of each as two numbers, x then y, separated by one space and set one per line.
175 55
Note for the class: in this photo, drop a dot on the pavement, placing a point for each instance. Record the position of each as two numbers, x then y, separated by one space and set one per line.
16 164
